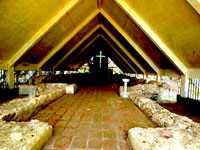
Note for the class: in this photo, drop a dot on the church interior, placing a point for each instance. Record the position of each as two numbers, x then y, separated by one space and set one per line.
100 74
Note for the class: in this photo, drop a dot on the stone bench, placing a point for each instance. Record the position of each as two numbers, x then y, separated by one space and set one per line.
31 135
175 132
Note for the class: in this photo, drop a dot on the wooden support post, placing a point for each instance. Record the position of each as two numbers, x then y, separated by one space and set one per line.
144 76
53 71
184 86
158 77
10 77
136 75
39 72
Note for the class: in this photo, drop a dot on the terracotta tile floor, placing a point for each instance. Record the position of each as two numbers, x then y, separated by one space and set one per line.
93 118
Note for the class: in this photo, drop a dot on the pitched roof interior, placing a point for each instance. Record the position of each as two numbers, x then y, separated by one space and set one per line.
48 31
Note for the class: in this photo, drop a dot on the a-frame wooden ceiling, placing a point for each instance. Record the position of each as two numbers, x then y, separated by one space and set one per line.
142 36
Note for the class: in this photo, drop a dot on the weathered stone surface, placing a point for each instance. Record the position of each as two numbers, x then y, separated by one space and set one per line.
163 139
152 91
24 135
177 132
167 95
71 88
22 109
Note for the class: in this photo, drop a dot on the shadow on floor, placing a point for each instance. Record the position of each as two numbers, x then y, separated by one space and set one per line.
186 107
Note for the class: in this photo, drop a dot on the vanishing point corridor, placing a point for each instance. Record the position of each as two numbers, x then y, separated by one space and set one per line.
93 118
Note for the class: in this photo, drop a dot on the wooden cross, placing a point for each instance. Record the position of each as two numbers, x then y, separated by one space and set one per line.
100 57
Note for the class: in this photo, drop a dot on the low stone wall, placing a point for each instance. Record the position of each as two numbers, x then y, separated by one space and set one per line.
163 139
152 91
176 132
24 135
27 135
24 108
40 88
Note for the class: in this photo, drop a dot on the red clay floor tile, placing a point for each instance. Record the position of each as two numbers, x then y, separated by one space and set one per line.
94 118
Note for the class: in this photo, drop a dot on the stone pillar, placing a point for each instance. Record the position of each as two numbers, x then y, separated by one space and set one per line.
184 86
10 77
158 77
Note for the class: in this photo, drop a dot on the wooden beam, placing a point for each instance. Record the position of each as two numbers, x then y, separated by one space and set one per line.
3 65
83 49
10 77
118 53
194 73
97 36
195 4
75 47
70 36
124 49
153 36
170 73
41 32
39 72
99 4
26 66
133 43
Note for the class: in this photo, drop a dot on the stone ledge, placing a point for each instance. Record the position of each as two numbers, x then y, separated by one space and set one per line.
24 108
152 91
24 135
27 135
181 130
163 139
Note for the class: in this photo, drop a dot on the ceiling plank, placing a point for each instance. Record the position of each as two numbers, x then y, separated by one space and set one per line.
40 33
3 65
115 50
124 59
194 73
195 4
153 36
133 43
66 39
75 47
127 66
123 49
23 67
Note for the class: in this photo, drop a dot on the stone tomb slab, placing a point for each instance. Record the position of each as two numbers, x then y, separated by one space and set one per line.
163 139
71 88
24 135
